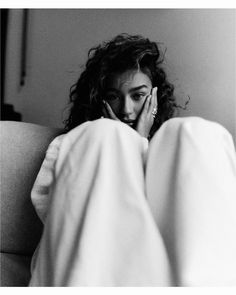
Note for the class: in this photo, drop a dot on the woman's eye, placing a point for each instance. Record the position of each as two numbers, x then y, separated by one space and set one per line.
138 96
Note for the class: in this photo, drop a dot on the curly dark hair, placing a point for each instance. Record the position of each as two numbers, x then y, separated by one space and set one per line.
122 53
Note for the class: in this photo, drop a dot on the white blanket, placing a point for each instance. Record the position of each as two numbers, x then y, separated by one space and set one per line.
119 214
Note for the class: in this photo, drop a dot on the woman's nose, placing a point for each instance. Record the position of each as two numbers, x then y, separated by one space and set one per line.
128 106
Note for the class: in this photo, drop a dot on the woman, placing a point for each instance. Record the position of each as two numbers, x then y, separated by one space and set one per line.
120 211
110 65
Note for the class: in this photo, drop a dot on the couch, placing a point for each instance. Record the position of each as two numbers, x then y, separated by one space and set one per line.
23 147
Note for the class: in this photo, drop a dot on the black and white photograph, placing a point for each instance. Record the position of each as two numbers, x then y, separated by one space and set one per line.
117 139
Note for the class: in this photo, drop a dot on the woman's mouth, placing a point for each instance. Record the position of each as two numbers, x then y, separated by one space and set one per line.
129 122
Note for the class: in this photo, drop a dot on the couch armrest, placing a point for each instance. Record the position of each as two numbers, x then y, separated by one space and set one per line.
23 147
15 270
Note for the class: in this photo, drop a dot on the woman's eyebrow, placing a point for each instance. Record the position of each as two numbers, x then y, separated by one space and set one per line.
130 90
138 88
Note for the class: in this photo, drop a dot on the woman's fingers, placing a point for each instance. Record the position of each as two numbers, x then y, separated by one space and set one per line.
154 99
105 113
147 104
109 111
153 103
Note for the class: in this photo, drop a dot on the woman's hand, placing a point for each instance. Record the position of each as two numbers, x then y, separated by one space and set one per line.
108 112
147 115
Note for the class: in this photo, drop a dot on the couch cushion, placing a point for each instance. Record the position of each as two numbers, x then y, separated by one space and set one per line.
15 270
23 147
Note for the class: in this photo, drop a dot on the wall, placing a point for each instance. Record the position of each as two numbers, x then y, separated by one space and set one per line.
200 58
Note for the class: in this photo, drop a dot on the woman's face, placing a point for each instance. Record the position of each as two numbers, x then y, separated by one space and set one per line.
126 94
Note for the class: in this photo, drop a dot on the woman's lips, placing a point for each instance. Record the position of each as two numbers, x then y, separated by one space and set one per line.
129 122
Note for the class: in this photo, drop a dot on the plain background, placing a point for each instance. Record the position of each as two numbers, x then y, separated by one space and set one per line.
200 58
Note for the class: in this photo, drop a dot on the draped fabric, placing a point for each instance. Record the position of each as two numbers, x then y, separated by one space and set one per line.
122 214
